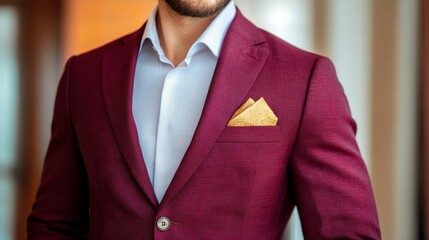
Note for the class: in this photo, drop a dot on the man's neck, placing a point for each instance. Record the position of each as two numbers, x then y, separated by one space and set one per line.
177 33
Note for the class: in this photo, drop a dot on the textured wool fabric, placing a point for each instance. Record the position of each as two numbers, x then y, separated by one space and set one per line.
233 182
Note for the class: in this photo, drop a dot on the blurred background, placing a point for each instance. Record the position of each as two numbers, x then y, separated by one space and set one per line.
380 49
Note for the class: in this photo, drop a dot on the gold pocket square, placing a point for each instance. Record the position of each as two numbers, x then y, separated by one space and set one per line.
253 113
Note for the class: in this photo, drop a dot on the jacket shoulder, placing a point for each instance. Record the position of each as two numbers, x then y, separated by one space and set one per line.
281 50
99 51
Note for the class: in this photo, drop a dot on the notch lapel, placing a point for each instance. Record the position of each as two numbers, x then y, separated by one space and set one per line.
241 59
118 82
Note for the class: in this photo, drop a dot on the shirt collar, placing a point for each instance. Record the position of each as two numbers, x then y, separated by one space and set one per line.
212 37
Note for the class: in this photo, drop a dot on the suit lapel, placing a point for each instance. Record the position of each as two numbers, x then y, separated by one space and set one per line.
242 58
118 79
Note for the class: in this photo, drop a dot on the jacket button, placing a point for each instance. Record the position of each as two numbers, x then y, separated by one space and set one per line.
163 224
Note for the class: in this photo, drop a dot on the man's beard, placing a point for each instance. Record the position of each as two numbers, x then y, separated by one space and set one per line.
197 8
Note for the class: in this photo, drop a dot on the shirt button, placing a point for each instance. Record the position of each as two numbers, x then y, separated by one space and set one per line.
163 224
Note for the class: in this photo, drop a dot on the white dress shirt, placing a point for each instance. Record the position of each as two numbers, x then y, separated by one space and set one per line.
168 101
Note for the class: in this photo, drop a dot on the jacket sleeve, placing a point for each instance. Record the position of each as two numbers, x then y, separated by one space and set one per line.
61 208
330 182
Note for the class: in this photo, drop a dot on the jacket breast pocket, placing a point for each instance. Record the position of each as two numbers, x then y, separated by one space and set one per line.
256 134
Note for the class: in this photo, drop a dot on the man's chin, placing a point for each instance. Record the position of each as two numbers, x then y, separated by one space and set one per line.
201 10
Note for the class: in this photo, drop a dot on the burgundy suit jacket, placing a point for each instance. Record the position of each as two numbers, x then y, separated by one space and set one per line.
233 182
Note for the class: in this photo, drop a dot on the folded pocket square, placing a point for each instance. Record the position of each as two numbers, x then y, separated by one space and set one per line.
253 113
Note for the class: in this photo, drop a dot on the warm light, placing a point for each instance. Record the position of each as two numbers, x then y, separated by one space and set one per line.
90 24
